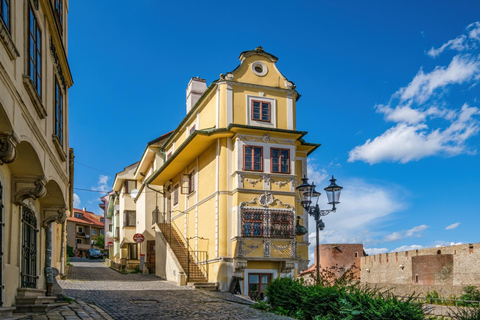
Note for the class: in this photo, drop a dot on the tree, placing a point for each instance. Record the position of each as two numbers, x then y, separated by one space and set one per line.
100 241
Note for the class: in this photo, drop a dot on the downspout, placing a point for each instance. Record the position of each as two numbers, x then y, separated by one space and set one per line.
48 259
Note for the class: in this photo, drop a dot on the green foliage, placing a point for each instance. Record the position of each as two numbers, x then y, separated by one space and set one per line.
464 314
292 298
69 252
100 241
471 293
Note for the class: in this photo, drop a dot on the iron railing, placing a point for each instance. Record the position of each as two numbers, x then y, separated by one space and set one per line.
195 262
268 224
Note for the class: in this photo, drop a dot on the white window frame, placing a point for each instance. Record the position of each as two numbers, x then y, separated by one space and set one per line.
273 112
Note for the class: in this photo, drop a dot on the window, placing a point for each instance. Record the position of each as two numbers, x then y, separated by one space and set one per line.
192 129
132 251
110 227
80 229
102 232
252 224
130 185
253 158
267 223
5 12
356 254
175 195
169 155
58 112
258 282
78 215
35 52
102 219
129 218
280 160
261 110
117 232
79 241
59 11
94 232
188 183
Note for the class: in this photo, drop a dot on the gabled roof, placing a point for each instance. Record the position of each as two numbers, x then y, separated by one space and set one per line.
87 218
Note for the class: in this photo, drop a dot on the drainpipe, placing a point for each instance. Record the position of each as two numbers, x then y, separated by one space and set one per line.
62 251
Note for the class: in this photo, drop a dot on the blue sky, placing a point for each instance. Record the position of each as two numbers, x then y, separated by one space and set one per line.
389 88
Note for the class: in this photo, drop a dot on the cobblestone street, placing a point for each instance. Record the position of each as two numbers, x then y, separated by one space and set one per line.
139 296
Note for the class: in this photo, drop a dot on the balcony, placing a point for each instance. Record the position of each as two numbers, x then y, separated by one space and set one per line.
80 234
276 224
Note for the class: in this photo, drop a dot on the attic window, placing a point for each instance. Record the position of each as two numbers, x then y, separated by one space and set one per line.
259 68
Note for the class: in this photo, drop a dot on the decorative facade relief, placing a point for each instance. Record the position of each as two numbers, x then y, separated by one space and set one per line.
266 199
266 248
302 265
53 214
293 248
8 151
266 138
7 41
287 266
25 187
240 265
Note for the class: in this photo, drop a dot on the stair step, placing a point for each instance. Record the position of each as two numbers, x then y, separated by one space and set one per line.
38 308
34 300
6 312
27 292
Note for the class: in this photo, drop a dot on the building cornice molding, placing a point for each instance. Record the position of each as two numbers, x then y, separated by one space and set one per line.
36 99
54 214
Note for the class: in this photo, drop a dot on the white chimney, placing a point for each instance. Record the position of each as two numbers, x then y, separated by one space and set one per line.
196 87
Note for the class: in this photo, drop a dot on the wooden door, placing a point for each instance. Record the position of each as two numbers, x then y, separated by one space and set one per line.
151 254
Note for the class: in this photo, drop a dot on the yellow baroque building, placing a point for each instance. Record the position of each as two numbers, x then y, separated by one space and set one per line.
218 193
36 164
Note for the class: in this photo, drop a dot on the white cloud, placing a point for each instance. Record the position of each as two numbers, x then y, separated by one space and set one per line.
461 69
452 226
461 43
412 107
399 235
404 142
363 205
372 251
76 201
102 184
455 243
316 174
407 248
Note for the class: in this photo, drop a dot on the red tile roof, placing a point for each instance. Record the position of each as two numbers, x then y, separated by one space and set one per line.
87 218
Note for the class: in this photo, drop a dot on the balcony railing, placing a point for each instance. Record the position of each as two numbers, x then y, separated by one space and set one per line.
268 224
82 234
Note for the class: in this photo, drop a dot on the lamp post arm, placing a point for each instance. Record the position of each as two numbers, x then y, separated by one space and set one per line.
314 211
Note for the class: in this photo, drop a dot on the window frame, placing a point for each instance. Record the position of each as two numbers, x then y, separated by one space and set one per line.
8 22
253 158
192 129
34 75
176 195
125 186
59 114
261 110
270 276
77 241
58 9
279 160
130 256
127 218
270 223
94 232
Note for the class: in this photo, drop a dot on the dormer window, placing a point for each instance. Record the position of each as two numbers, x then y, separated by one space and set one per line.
102 219
261 110
78 215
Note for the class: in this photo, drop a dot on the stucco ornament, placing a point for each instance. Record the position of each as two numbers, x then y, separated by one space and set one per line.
25 187
229 76
8 151
266 138
266 248
54 214
267 199
287 266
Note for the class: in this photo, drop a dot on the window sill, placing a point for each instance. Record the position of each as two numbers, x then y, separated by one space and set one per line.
7 41
191 194
129 227
59 147
36 99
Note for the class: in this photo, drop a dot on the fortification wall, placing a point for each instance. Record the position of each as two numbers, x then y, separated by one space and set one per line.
443 269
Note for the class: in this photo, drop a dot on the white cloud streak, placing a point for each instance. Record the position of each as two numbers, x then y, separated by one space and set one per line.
399 235
102 184
373 251
461 43
452 226
407 248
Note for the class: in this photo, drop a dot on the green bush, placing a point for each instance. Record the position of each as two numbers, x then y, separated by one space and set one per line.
292 298
465 314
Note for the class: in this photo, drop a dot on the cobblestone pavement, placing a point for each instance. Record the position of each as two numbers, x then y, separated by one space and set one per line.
139 296
76 310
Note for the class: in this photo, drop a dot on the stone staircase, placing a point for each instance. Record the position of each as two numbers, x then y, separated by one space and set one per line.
35 301
207 286
195 274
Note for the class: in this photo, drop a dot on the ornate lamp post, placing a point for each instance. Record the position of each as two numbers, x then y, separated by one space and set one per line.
307 194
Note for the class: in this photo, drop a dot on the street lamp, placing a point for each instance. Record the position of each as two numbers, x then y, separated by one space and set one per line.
307 194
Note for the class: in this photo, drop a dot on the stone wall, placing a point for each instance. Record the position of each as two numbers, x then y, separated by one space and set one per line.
445 269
